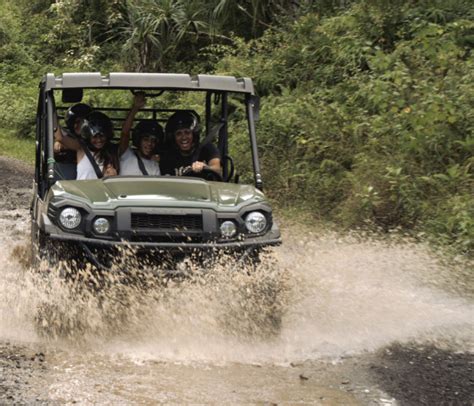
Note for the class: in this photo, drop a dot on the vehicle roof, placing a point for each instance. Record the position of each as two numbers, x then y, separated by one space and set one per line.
130 80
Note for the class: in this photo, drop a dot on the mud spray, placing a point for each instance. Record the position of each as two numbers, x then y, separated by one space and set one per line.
316 296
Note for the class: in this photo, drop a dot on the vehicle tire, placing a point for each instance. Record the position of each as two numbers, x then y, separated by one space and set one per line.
38 246
247 260
259 298
43 249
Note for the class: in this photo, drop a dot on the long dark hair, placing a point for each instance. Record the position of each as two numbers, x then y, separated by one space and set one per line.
108 155
99 123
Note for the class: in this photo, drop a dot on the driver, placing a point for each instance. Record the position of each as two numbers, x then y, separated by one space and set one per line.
186 153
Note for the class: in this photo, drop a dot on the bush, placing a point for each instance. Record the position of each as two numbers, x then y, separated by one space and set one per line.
366 116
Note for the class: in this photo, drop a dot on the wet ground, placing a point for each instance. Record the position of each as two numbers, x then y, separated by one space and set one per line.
363 322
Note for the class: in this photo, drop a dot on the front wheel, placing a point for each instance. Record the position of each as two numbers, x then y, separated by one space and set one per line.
258 298
38 245
45 250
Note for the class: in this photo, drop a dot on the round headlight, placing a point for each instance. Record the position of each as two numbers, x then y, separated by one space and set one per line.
228 229
255 222
70 218
101 225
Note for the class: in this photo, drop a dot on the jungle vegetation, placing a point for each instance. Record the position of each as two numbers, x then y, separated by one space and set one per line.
367 112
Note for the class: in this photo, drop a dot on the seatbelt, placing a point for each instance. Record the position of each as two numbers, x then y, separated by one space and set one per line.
141 165
93 162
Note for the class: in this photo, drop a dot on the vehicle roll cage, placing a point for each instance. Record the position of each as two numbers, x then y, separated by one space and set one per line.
217 89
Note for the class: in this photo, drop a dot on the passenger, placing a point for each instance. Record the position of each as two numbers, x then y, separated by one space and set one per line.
73 118
146 136
186 153
96 155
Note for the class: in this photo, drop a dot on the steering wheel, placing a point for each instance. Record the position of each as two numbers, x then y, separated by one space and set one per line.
226 159
206 174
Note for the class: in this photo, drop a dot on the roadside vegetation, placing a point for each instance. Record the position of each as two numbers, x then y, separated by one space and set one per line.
366 117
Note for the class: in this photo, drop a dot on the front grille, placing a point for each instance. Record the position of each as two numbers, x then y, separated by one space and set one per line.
172 239
166 222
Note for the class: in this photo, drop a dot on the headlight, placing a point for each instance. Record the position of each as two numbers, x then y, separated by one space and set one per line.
101 225
70 218
255 222
228 229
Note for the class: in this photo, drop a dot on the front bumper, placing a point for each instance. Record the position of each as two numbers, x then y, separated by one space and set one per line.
93 248
271 238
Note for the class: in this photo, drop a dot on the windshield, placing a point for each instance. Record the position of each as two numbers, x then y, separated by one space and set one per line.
154 133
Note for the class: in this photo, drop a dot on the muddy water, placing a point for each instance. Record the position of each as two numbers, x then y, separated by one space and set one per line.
216 338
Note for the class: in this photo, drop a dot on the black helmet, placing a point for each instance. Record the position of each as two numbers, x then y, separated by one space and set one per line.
79 110
97 123
147 128
180 120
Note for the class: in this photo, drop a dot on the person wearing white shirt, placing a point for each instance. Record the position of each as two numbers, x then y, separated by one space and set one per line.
96 154
141 159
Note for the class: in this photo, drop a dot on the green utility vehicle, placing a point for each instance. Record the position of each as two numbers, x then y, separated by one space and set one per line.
157 216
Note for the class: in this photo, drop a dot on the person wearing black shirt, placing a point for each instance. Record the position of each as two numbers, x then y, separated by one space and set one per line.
186 153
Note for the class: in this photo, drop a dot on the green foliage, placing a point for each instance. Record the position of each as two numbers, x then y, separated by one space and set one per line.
452 222
368 115
153 30
18 92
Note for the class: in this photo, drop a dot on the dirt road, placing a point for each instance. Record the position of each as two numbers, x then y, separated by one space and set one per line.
365 322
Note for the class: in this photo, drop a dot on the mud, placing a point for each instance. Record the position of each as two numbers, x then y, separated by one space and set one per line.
363 322
16 180
443 376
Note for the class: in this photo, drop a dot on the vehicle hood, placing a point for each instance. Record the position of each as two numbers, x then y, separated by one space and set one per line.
156 191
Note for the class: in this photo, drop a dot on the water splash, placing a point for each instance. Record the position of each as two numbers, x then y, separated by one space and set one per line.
316 296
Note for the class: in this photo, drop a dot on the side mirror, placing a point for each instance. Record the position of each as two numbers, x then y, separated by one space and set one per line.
255 106
73 95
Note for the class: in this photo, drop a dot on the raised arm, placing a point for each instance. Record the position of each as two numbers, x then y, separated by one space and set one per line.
61 137
138 103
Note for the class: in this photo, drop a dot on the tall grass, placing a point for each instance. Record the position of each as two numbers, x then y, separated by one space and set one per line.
20 148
